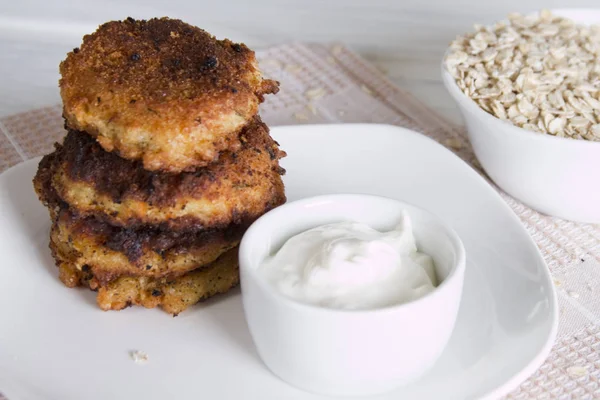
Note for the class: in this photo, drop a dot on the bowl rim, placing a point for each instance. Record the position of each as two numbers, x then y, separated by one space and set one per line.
464 100
254 233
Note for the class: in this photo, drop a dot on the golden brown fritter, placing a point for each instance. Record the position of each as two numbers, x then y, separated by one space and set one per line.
237 189
108 252
161 91
172 295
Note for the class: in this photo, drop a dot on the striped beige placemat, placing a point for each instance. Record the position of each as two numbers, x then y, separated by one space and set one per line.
331 84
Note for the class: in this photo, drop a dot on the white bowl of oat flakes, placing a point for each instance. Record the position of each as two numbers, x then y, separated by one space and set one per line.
529 91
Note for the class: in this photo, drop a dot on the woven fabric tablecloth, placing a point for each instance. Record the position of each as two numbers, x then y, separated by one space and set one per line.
331 84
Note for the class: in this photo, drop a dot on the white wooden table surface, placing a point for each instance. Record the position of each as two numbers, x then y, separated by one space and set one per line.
406 39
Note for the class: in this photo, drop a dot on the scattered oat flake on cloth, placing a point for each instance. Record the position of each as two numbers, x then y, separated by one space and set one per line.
293 68
300 117
454 143
577 371
315 93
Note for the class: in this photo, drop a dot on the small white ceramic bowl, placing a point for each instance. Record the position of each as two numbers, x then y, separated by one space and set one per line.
556 176
342 352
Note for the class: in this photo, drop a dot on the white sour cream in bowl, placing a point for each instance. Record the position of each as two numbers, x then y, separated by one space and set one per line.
349 265
350 294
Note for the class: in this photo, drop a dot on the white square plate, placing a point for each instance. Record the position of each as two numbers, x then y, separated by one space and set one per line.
55 343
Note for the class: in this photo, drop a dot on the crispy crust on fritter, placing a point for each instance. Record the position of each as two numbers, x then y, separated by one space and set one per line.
42 184
172 295
108 252
239 187
161 91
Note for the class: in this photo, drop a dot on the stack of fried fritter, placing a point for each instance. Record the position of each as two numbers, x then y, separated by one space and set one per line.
165 164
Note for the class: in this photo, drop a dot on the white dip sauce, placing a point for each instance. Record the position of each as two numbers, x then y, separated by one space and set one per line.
349 265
